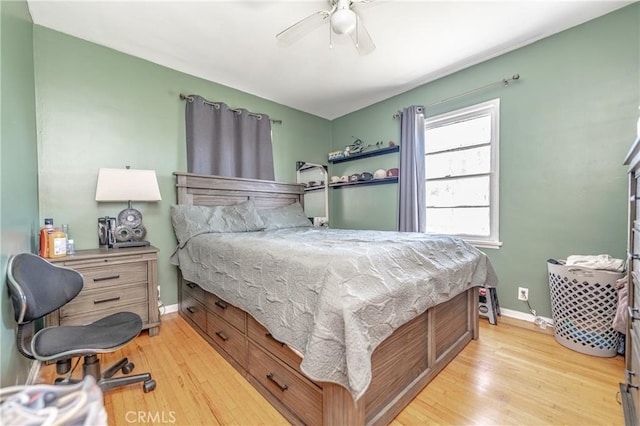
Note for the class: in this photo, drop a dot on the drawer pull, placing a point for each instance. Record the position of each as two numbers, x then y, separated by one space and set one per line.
632 313
280 385
220 304
110 277
191 310
270 336
107 299
629 378
191 285
635 256
221 335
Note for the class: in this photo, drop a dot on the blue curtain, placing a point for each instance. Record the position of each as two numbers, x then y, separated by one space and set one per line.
227 142
412 205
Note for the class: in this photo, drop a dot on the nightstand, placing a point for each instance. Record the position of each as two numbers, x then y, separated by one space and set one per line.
115 280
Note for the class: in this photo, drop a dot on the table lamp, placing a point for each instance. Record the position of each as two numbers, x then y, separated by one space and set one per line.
126 185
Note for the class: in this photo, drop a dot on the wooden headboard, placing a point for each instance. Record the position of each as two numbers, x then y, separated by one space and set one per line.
211 190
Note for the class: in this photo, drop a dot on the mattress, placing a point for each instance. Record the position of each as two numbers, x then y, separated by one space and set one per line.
333 295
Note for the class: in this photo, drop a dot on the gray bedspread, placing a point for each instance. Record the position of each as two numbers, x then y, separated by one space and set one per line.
333 295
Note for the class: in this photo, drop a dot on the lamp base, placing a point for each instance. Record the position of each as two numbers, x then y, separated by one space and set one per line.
125 244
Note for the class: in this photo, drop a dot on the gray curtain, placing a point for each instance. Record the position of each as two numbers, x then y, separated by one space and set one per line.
227 142
412 206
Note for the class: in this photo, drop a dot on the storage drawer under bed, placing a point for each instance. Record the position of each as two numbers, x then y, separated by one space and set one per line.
193 309
296 392
260 335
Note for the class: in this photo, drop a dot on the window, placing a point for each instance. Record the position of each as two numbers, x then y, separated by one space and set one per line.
461 171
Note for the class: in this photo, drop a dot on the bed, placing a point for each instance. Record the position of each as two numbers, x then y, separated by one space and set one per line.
331 326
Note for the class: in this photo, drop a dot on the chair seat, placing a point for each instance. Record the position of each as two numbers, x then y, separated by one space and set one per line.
104 335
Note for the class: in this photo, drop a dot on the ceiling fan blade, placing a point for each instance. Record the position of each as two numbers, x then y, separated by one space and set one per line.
302 28
362 39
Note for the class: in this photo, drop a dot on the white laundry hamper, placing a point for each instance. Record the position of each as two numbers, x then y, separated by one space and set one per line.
583 306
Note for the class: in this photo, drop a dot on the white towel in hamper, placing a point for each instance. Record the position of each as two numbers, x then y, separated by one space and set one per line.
600 261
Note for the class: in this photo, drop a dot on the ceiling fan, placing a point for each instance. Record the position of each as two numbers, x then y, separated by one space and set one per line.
343 20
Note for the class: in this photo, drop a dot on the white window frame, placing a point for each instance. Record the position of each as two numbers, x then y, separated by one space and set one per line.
492 107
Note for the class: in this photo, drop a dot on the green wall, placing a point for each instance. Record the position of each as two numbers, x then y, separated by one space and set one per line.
565 128
97 107
18 168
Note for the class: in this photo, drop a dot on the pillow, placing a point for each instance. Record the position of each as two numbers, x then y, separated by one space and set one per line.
189 221
289 216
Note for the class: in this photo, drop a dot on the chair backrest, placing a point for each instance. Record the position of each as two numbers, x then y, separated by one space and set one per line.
38 287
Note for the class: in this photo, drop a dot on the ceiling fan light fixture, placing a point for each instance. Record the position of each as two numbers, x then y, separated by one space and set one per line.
343 21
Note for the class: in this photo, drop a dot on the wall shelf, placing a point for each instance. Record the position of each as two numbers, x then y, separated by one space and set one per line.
314 188
367 154
393 179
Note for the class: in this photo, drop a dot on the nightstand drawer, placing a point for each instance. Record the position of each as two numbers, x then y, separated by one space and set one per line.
113 275
141 309
115 280
95 301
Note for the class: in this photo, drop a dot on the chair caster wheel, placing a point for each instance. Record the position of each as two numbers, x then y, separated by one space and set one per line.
128 368
149 385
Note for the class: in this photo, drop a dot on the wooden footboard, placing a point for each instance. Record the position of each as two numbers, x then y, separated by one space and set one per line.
401 366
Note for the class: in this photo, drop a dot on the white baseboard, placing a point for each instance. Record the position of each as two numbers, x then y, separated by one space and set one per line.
523 316
170 308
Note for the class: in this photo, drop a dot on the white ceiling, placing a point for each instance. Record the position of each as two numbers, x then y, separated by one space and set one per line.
233 42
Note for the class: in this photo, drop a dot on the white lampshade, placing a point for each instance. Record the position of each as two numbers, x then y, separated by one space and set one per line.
127 185
343 21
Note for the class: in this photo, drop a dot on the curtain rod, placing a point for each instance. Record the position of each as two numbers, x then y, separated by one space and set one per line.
217 105
504 82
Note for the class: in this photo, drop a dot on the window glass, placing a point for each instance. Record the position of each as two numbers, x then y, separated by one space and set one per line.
461 172
458 163
452 221
459 192
473 131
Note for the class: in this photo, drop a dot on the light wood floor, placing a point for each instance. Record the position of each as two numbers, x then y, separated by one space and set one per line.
510 376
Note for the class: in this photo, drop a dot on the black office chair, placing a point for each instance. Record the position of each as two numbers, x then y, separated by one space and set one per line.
38 288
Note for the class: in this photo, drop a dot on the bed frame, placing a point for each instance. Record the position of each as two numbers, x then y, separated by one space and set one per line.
401 366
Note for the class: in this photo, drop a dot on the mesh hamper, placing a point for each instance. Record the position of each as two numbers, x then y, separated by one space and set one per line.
583 306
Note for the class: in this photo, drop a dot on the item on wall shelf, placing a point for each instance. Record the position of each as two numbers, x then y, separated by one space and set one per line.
356 147
354 177
379 174
366 153
344 179
392 172
335 179
365 176
335 155
125 185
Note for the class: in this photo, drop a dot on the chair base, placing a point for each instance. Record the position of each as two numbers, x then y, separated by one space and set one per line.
106 381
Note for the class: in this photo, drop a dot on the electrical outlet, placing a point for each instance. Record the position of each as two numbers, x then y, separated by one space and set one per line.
523 293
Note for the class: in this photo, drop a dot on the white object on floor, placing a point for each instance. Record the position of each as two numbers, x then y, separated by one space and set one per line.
74 404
